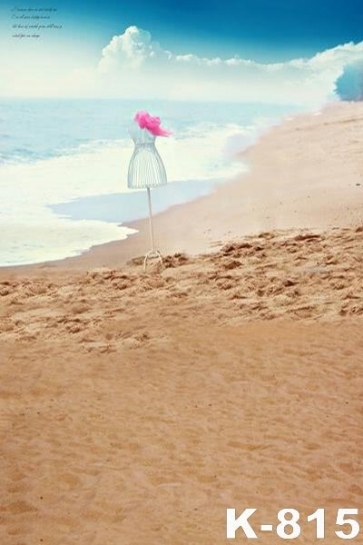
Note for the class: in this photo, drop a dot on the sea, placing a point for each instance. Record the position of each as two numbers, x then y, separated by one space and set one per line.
64 164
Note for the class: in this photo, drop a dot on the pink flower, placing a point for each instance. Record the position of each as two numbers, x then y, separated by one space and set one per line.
152 124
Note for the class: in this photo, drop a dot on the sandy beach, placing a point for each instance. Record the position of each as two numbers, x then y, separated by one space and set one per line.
136 408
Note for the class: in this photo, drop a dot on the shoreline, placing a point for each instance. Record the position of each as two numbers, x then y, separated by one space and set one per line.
301 177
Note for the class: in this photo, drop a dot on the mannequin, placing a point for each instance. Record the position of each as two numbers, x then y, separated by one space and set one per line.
146 168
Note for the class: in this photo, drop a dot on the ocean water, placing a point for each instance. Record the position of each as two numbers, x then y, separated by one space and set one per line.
63 167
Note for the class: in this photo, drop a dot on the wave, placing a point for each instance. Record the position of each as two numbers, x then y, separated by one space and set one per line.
349 86
40 231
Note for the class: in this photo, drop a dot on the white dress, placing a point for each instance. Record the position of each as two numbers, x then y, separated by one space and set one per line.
146 168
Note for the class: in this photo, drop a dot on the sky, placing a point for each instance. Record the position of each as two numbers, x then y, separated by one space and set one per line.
275 50
265 30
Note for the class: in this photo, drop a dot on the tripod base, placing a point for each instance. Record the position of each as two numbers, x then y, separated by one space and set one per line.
153 254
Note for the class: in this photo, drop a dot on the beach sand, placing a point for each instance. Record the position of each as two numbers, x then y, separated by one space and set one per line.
136 408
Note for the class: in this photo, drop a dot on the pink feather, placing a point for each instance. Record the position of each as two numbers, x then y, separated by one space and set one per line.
152 124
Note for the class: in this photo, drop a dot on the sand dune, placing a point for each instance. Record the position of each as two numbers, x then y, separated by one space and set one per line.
274 275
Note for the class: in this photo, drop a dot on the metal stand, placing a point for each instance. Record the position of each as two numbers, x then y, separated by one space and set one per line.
152 254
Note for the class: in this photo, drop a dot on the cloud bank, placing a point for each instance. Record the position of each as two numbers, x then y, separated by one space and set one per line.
134 65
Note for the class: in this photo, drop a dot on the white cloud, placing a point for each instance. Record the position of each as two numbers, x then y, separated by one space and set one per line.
133 65
133 48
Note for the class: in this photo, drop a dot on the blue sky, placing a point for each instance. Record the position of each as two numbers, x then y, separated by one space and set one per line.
263 31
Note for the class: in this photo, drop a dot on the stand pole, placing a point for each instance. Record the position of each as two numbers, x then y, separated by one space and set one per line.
150 219
152 254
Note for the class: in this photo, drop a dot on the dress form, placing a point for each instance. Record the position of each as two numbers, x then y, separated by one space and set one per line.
146 170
